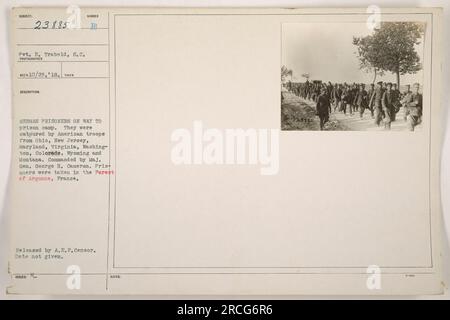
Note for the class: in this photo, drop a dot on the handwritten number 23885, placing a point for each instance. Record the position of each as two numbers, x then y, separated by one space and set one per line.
56 24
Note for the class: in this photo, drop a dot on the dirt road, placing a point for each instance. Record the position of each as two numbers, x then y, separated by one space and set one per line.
299 114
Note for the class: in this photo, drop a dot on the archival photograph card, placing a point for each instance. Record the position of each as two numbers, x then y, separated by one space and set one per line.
226 151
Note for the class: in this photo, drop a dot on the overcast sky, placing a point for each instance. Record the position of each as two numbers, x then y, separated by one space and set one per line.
326 52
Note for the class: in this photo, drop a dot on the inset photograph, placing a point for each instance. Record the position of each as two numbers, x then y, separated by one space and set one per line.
350 77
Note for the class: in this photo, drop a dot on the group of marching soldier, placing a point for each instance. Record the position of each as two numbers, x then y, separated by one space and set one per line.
383 100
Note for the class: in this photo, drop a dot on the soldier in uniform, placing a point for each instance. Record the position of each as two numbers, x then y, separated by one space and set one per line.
289 86
355 90
317 91
375 103
307 89
407 98
347 100
369 95
395 100
329 88
337 96
388 106
323 107
360 100
415 108
313 91
345 89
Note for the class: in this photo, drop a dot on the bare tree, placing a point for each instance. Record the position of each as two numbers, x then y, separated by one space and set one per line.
285 72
